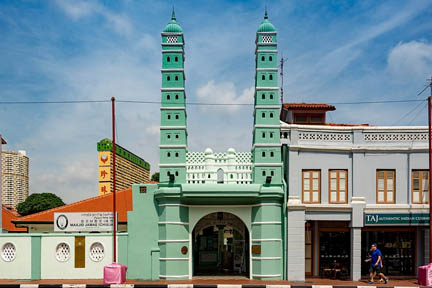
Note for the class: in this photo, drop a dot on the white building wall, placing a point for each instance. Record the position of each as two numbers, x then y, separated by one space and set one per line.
20 267
54 269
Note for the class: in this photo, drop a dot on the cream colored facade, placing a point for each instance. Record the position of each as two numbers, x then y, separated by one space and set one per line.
15 177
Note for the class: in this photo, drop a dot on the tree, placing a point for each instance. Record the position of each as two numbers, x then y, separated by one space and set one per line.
38 202
155 177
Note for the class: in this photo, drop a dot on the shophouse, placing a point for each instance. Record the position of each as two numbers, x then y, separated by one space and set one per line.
351 186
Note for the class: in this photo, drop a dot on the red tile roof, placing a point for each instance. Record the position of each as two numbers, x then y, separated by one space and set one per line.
96 204
9 214
308 106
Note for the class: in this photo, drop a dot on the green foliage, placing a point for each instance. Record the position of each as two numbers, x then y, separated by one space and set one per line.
39 202
155 177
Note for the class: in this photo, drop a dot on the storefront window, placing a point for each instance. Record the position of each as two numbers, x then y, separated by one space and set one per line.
334 248
397 248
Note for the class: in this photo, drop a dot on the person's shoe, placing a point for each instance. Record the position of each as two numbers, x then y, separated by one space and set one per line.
371 282
386 280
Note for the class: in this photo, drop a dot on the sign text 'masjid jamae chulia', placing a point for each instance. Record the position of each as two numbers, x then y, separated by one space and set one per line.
83 222
396 219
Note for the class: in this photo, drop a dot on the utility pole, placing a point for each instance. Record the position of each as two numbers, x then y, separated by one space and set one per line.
430 170
282 61
114 182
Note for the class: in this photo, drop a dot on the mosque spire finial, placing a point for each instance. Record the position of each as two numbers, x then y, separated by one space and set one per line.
265 13
173 14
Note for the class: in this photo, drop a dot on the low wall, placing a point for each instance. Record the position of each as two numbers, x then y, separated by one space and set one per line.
58 256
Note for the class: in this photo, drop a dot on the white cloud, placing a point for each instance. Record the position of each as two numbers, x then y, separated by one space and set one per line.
223 93
411 59
77 9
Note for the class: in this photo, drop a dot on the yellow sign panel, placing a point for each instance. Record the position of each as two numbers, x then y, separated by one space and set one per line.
104 158
104 174
104 188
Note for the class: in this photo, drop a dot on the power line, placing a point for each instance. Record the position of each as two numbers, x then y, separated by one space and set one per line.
192 103
408 113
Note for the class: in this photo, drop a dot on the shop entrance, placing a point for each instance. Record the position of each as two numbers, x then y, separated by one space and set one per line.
397 247
220 246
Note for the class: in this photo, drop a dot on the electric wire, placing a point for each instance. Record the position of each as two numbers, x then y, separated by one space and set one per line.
408 113
193 103
417 114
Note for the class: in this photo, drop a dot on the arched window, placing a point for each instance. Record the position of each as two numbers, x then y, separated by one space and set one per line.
176 59
272 173
263 77
169 116
169 154
271 77
263 173
271 115
176 154
168 136
285 134
168 97
220 176
177 117
271 134
263 135
263 154
177 136
270 58
262 58
176 97
176 173
271 96
263 115
168 173
271 154
168 59
176 78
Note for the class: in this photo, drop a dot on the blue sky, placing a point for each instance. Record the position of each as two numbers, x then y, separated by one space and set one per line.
337 51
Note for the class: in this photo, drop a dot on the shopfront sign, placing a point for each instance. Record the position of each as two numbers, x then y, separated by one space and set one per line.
83 222
393 219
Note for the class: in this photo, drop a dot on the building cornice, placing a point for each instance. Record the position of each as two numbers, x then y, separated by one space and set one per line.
173 146
287 126
171 34
173 51
173 89
173 108
267 69
266 145
266 164
172 127
267 107
266 88
173 44
173 165
173 70
266 126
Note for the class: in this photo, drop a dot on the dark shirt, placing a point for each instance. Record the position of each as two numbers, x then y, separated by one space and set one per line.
374 255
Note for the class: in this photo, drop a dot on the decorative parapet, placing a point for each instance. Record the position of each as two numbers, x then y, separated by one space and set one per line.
354 137
229 167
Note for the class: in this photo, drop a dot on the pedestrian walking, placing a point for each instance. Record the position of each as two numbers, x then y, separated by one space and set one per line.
376 264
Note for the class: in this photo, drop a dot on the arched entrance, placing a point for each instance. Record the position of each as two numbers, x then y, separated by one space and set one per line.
220 246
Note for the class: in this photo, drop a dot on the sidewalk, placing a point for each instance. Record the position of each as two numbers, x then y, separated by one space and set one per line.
209 283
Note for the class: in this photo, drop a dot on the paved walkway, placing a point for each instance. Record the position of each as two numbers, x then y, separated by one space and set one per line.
214 282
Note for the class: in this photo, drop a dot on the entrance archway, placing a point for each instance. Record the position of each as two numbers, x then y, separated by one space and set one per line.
220 246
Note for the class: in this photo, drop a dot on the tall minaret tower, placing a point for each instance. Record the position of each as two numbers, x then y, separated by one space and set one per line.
266 152
173 133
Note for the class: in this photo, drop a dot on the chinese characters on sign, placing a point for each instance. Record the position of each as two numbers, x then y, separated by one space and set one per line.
83 222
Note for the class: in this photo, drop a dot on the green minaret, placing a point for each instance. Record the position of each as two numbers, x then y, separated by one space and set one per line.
266 152
173 136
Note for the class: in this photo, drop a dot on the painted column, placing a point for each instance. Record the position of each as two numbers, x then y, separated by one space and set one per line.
36 257
357 222
173 136
267 233
174 241
427 246
296 240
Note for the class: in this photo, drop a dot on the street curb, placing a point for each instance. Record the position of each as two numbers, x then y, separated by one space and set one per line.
191 286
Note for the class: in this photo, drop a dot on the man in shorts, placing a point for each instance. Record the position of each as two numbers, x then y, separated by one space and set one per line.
376 265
